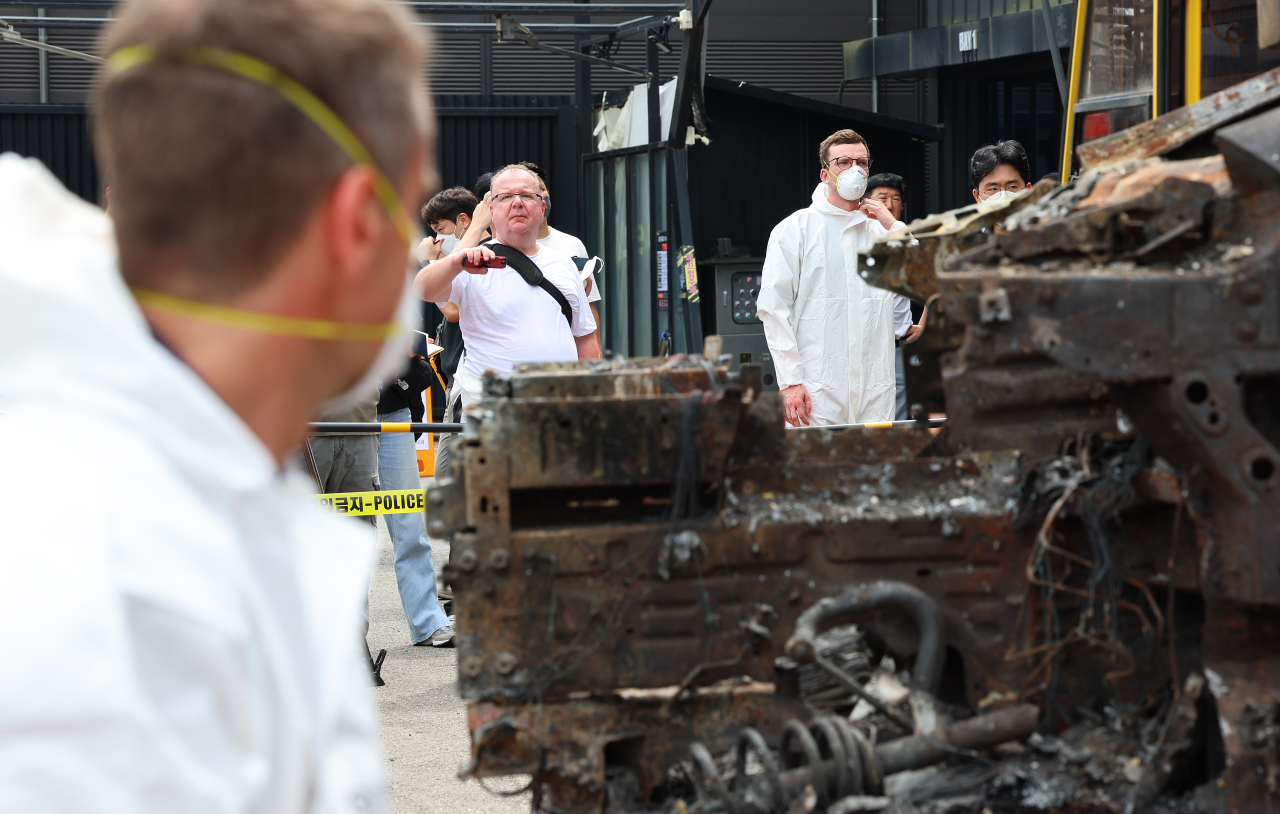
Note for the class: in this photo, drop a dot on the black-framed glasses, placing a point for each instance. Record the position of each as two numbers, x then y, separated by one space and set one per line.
843 163
528 198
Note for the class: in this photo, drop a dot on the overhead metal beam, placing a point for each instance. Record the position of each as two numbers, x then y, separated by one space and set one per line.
630 28
512 30
57 22
533 9
526 9
9 35
445 28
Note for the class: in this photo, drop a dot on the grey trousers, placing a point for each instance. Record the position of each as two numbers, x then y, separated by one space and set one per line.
346 463
900 406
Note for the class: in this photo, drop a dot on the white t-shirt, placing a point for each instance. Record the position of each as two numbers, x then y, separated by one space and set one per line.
902 321
573 247
506 321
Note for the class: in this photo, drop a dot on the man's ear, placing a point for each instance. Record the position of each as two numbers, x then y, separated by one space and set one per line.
355 221
975 194
463 223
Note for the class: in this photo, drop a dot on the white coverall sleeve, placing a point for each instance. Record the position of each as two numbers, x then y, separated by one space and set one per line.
776 303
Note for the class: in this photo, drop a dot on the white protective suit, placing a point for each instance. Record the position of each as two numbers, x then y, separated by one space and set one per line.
180 624
826 328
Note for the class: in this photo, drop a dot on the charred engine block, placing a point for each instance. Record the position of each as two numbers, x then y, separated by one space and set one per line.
643 556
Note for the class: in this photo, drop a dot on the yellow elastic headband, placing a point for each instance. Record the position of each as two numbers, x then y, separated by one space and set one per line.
304 100
318 112
265 323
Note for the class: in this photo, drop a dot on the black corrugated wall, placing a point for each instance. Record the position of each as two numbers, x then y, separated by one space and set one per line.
58 135
762 163
475 134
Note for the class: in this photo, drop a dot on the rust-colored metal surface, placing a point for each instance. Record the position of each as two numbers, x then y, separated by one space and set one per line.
1160 135
645 562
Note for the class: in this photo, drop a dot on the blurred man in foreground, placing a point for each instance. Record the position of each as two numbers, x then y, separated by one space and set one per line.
189 639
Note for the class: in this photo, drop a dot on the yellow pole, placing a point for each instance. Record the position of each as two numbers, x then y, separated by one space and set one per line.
1073 89
1155 59
1191 65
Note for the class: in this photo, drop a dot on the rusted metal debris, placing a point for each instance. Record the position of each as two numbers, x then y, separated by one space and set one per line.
644 561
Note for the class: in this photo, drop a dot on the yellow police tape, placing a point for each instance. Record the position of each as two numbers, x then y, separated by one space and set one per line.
361 504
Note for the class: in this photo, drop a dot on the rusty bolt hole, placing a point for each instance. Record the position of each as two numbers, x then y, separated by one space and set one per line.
1197 392
566 423
1262 469
484 505
506 663
468 560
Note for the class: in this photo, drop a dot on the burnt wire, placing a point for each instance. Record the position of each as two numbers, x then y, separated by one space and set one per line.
1098 495
1097 504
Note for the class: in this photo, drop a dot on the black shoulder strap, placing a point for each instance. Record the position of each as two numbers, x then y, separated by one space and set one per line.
529 271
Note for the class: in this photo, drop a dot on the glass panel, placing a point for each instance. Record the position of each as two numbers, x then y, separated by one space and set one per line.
1044 151
596 241
1106 122
620 302
1229 45
643 296
1119 50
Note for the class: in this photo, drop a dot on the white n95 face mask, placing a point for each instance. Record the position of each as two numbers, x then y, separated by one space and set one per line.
851 183
392 358
1000 195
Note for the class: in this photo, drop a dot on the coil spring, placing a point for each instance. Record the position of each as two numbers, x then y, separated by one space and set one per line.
827 738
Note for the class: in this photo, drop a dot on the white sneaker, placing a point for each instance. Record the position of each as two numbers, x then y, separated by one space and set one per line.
443 637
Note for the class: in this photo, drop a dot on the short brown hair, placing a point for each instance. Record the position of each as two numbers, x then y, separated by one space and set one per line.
840 137
217 175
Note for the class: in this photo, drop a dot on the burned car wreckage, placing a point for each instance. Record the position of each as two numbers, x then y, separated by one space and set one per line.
1069 596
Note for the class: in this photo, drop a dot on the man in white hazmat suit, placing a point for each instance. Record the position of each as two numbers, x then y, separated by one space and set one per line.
185 636
831 335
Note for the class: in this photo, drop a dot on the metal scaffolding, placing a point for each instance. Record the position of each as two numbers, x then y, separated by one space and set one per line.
592 41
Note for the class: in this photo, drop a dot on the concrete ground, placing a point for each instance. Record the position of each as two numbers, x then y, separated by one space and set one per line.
424 723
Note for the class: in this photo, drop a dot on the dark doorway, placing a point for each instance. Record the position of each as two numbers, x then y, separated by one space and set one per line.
1027 110
1013 98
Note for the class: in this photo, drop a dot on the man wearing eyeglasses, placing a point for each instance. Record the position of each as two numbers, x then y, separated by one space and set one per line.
830 333
505 320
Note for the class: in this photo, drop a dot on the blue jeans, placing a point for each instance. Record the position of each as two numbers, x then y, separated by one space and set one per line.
415 574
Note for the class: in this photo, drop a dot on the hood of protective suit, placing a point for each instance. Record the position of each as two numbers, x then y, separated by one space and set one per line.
822 204
211 611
